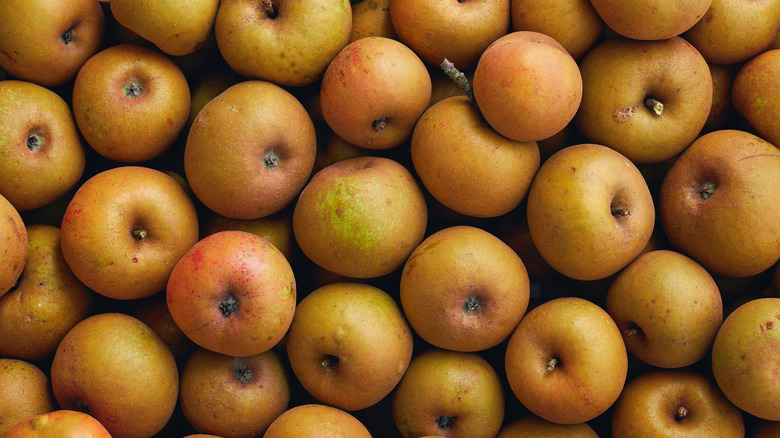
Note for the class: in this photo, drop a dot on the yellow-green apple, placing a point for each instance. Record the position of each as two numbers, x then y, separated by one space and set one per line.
177 27
722 112
457 31
733 31
566 361
700 194
649 19
360 217
46 41
646 99
533 426
590 212
674 403
233 293
314 419
115 368
154 312
60 423
41 153
24 391
130 102
575 24
527 86
449 138
668 308
13 245
46 303
373 92
250 150
371 18
745 362
349 344
464 289
233 396
275 228
449 393
287 43
125 229
755 93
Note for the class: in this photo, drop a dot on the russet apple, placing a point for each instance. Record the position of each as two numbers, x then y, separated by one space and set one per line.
313 419
533 426
25 391
13 245
371 18
755 93
60 423
650 19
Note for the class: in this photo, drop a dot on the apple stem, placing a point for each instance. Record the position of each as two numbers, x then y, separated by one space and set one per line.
34 142
681 413
463 82
552 364
268 7
706 190
139 234
444 422
655 105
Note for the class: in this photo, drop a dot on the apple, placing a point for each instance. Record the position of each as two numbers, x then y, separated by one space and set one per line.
207 87
374 91
349 344
649 19
590 212
360 217
447 141
646 99
43 156
250 150
275 228
46 303
754 93
566 361
47 42
527 86
745 362
115 368
718 171
233 396
464 289
457 31
533 426
125 229
25 391
371 18
722 113
13 245
61 423
449 393
233 292
667 307
318 420
154 312
280 41
677 403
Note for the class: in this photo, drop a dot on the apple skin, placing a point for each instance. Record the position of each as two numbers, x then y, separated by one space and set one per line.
47 42
533 426
590 212
277 47
349 344
717 171
43 156
233 293
117 369
650 407
60 423
318 420
755 93
650 20
527 86
371 18
25 391
360 217
97 232
745 362
13 245
591 361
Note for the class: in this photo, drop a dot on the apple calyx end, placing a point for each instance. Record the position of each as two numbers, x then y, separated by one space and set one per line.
472 304
552 364
706 190
654 105
67 37
444 422
133 89
379 124
242 372
34 142
681 413
228 305
271 160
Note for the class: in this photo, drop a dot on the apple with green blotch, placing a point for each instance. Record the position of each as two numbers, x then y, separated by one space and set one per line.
13 245
283 42
755 93
360 217
233 292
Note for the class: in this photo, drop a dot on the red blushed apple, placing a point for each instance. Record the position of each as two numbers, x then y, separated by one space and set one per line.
125 229
233 293
62 423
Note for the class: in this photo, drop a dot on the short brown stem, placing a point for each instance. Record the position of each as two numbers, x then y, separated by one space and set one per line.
552 364
139 234
681 413
620 211
654 105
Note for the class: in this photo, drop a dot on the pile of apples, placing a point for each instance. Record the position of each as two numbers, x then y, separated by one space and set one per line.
389 218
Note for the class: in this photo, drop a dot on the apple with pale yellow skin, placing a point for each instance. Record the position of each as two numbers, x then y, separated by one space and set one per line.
755 93
47 42
25 391
13 245
527 86
118 370
318 420
349 344
177 27
233 396
273 40
43 156
61 423
590 212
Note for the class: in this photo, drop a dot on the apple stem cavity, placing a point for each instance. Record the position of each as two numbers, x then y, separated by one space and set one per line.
444 422
654 105
34 142
228 305
139 234
681 414
133 89
459 78
67 37
706 190
472 304
330 362
552 364
271 160
269 9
